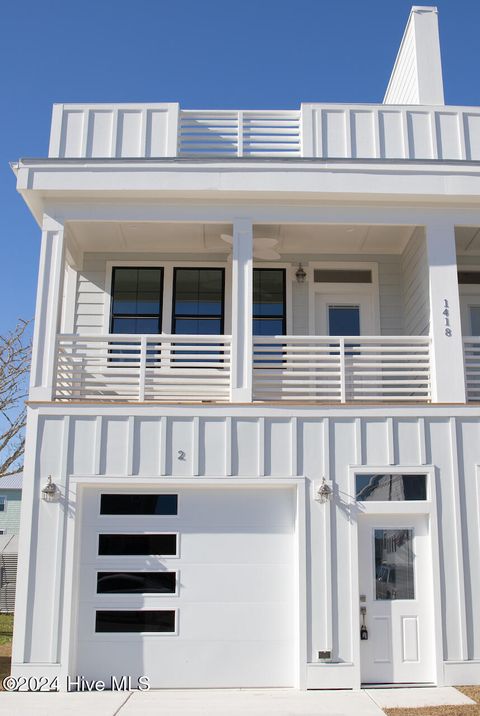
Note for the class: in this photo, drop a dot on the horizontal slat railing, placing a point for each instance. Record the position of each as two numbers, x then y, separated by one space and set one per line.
143 368
471 353
346 369
239 133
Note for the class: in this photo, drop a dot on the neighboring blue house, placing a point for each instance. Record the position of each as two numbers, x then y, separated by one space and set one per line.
10 500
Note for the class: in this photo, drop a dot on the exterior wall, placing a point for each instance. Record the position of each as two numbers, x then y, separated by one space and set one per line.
90 302
415 286
403 85
89 443
10 518
417 75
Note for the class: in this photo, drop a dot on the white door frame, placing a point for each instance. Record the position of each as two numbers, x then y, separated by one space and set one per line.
384 509
69 646
349 291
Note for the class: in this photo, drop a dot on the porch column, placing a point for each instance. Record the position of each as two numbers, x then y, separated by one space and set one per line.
48 309
242 300
448 381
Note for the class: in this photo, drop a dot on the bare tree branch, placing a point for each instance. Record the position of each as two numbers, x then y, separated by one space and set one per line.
15 352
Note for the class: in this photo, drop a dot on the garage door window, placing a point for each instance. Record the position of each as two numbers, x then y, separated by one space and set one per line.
136 582
135 621
138 544
122 504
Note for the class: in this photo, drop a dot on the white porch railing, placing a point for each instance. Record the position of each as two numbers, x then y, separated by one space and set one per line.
471 353
143 368
346 369
198 368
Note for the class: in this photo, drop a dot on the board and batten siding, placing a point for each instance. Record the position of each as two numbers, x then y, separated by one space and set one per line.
91 298
415 286
158 443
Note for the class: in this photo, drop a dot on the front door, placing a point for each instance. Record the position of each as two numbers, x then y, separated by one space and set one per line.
343 315
396 599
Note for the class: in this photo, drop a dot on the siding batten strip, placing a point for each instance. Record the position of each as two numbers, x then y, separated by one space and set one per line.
98 445
459 551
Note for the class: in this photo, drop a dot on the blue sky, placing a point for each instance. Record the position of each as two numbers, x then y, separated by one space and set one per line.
215 53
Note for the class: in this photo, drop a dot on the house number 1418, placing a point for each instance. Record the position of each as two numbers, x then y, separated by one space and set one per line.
446 318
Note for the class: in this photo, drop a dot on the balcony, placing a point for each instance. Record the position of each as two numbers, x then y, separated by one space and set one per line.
175 368
317 131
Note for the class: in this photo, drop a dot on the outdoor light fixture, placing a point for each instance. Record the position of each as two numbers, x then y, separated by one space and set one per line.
323 493
300 274
50 493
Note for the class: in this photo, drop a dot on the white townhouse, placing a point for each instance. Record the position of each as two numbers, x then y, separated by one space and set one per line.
253 444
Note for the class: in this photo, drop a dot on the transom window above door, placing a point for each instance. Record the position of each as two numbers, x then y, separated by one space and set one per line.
137 294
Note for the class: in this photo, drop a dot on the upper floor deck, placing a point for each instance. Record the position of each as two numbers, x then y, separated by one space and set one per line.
315 131
212 312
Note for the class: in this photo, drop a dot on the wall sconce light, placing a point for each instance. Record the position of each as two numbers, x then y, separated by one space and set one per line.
323 494
300 274
50 493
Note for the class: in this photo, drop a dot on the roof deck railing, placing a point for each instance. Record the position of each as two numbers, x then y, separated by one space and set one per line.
320 131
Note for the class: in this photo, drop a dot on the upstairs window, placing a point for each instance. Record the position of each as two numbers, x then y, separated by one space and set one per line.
198 301
136 300
3 503
269 302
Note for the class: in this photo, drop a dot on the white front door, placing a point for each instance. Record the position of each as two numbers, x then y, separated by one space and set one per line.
395 578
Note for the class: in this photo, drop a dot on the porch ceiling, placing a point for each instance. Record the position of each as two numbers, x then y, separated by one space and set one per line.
185 238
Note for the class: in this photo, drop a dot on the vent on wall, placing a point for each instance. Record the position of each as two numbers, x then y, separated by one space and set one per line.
342 276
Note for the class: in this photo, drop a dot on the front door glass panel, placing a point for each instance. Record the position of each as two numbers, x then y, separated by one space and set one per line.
344 320
394 574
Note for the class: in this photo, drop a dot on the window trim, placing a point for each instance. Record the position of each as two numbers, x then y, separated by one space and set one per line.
132 635
126 557
399 507
168 267
4 501
132 491
146 570
162 295
285 305
174 284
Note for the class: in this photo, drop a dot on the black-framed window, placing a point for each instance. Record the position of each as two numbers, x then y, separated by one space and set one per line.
198 304
137 298
269 302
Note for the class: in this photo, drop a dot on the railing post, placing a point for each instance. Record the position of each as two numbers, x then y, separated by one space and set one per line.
48 310
240 134
142 368
343 377
242 307
447 363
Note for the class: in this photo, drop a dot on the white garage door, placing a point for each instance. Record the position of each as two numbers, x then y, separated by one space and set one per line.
190 587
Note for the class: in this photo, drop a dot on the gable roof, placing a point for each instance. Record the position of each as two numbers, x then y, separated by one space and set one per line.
11 482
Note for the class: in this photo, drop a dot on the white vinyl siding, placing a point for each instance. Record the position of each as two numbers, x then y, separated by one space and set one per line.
91 300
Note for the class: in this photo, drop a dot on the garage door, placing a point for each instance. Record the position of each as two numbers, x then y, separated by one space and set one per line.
190 587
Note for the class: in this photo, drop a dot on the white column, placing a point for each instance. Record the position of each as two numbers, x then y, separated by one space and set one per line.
48 309
448 382
242 303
